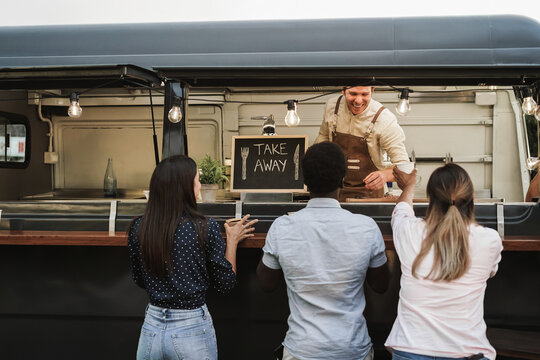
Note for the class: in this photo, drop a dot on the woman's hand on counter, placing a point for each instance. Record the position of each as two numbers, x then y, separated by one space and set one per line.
240 230
235 233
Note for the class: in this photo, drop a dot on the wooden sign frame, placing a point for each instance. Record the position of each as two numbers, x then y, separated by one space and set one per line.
262 137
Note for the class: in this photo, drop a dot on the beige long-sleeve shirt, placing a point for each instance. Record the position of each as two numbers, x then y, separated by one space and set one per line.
386 136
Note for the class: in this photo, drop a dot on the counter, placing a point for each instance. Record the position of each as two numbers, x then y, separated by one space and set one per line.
66 279
103 222
102 238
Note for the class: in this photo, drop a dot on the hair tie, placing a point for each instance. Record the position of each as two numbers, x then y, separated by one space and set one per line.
453 202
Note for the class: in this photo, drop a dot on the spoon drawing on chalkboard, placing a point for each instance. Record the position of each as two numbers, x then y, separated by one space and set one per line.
245 153
296 159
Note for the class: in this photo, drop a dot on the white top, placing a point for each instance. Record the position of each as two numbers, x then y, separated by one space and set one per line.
441 318
324 252
387 136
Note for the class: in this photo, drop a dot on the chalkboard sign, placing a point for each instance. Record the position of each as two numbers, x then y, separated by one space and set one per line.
267 163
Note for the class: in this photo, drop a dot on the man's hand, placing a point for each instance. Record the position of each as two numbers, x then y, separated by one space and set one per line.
377 179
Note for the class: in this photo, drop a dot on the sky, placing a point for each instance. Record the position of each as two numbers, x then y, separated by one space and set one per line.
49 12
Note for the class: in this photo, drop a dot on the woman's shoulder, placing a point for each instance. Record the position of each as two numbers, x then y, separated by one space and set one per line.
212 223
484 231
187 219
132 230
135 224
485 235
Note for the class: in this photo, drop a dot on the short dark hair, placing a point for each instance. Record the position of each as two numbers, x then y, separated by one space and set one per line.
323 167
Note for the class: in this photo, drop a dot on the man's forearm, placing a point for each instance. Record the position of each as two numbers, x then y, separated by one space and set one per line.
388 174
269 279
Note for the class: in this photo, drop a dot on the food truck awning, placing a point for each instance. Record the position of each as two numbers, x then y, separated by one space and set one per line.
54 77
472 50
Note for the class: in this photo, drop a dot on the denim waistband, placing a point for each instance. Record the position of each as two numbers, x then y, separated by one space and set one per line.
414 356
165 314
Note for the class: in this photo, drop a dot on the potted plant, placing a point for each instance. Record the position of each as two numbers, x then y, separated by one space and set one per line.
211 174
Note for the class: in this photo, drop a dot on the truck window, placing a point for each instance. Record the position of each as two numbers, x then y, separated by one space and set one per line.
14 141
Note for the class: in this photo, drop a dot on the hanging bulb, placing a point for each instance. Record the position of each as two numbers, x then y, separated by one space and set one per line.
403 106
532 163
175 114
292 118
529 105
74 109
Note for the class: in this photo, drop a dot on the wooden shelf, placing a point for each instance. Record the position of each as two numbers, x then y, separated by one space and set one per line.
102 238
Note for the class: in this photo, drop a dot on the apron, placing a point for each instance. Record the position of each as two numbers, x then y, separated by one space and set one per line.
359 163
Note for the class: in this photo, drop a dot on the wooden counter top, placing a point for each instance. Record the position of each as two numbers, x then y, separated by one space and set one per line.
102 238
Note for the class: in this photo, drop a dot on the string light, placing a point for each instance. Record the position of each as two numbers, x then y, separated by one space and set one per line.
202 99
74 109
175 114
403 106
292 118
529 105
532 163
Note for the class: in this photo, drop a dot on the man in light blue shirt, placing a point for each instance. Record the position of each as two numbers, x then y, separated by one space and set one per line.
325 253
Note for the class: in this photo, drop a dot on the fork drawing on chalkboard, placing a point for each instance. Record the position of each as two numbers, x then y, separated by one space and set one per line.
244 152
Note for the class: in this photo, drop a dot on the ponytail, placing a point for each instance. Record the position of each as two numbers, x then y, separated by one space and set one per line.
450 211
449 239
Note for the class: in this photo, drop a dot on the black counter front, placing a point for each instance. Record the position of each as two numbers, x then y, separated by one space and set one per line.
67 302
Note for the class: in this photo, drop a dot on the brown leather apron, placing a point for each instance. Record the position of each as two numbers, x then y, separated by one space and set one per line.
359 163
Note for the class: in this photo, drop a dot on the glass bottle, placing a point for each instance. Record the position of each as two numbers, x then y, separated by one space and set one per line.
109 182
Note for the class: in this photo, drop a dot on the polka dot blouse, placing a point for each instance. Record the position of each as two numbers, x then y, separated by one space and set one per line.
192 274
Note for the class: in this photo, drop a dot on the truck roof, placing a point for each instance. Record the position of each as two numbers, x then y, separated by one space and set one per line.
466 50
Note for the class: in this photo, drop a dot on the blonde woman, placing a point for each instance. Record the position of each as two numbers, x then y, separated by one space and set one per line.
446 260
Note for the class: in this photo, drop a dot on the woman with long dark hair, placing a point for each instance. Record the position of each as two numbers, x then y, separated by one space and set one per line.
446 261
176 254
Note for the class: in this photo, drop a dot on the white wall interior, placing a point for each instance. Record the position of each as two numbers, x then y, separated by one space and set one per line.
481 138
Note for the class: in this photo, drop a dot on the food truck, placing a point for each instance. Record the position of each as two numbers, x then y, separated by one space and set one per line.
68 291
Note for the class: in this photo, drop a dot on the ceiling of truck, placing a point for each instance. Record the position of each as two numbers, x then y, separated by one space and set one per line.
472 50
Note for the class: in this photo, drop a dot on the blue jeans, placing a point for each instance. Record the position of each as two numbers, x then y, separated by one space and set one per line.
177 334
402 355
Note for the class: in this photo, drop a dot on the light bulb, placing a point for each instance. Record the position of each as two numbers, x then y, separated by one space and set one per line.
403 106
74 109
529 105
532 163
292 118
175 114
